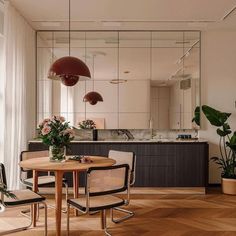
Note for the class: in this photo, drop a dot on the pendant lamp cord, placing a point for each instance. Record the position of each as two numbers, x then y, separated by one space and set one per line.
118 85
183 60
93 71
52 46
69 27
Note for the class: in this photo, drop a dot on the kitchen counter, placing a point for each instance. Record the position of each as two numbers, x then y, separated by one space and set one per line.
159 163
136 141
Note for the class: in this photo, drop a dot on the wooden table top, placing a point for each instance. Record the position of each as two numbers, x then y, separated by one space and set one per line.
43 164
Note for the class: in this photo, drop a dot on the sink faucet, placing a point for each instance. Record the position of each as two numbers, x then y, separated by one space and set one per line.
125 132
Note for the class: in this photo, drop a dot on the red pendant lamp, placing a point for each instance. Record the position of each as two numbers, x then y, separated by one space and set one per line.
93 97
69 69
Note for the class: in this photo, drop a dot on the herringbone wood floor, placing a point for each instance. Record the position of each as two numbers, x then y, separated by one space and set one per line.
213 214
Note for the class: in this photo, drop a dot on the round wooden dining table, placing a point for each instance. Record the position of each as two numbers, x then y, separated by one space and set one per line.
43 164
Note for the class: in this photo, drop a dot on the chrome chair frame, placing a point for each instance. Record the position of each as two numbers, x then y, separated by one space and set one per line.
4 206
87 192
24 212
129 214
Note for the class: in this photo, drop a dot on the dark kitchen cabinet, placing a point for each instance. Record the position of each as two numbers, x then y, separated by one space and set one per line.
176 164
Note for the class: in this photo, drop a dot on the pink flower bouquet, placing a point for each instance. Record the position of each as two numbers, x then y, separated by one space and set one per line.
56 132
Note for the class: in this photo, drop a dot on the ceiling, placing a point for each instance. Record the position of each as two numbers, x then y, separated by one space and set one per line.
128 14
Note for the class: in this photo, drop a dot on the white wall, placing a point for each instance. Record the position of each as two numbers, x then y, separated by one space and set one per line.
30 84
218 85
1 96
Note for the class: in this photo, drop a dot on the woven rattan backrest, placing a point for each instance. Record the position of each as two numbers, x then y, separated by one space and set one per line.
122 157
3 180
107 180
26 155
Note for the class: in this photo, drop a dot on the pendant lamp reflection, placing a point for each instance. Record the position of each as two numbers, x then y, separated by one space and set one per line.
93 97
69 69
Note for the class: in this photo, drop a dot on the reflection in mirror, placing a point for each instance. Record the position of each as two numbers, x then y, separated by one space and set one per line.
134 67
175 79
155 77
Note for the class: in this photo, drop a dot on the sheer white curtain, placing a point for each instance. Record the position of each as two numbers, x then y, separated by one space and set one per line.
19 91
1 91
2 79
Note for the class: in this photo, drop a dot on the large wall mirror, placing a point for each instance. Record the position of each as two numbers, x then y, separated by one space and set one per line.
148 79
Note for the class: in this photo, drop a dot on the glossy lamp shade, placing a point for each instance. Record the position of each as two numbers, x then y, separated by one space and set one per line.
69 70
93 97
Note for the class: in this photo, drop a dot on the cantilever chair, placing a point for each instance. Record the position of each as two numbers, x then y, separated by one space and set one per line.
22 197
43 181
101 185
124 158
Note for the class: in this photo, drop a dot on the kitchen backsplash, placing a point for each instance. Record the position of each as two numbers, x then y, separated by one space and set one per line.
138 134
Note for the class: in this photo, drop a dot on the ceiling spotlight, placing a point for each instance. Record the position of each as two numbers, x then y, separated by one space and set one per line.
118 81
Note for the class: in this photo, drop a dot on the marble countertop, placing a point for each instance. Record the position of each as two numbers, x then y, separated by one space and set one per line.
136 141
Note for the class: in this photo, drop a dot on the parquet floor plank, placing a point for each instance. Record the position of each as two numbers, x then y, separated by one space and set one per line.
213 214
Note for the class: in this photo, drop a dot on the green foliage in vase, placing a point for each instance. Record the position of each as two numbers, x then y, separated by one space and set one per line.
55 132
87 124
56 153
227 141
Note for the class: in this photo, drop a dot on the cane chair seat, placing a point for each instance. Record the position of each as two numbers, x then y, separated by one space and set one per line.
97 202
101 185
23 197
19 198
42 181
129 158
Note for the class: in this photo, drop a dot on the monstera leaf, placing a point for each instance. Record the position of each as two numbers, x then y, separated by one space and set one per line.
215 117
232 142
224 131
196 117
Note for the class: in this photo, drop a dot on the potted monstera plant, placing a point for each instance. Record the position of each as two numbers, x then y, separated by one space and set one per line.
227 146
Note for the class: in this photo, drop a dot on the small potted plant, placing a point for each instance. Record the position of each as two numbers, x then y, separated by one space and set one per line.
57 134
227 146
89 124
